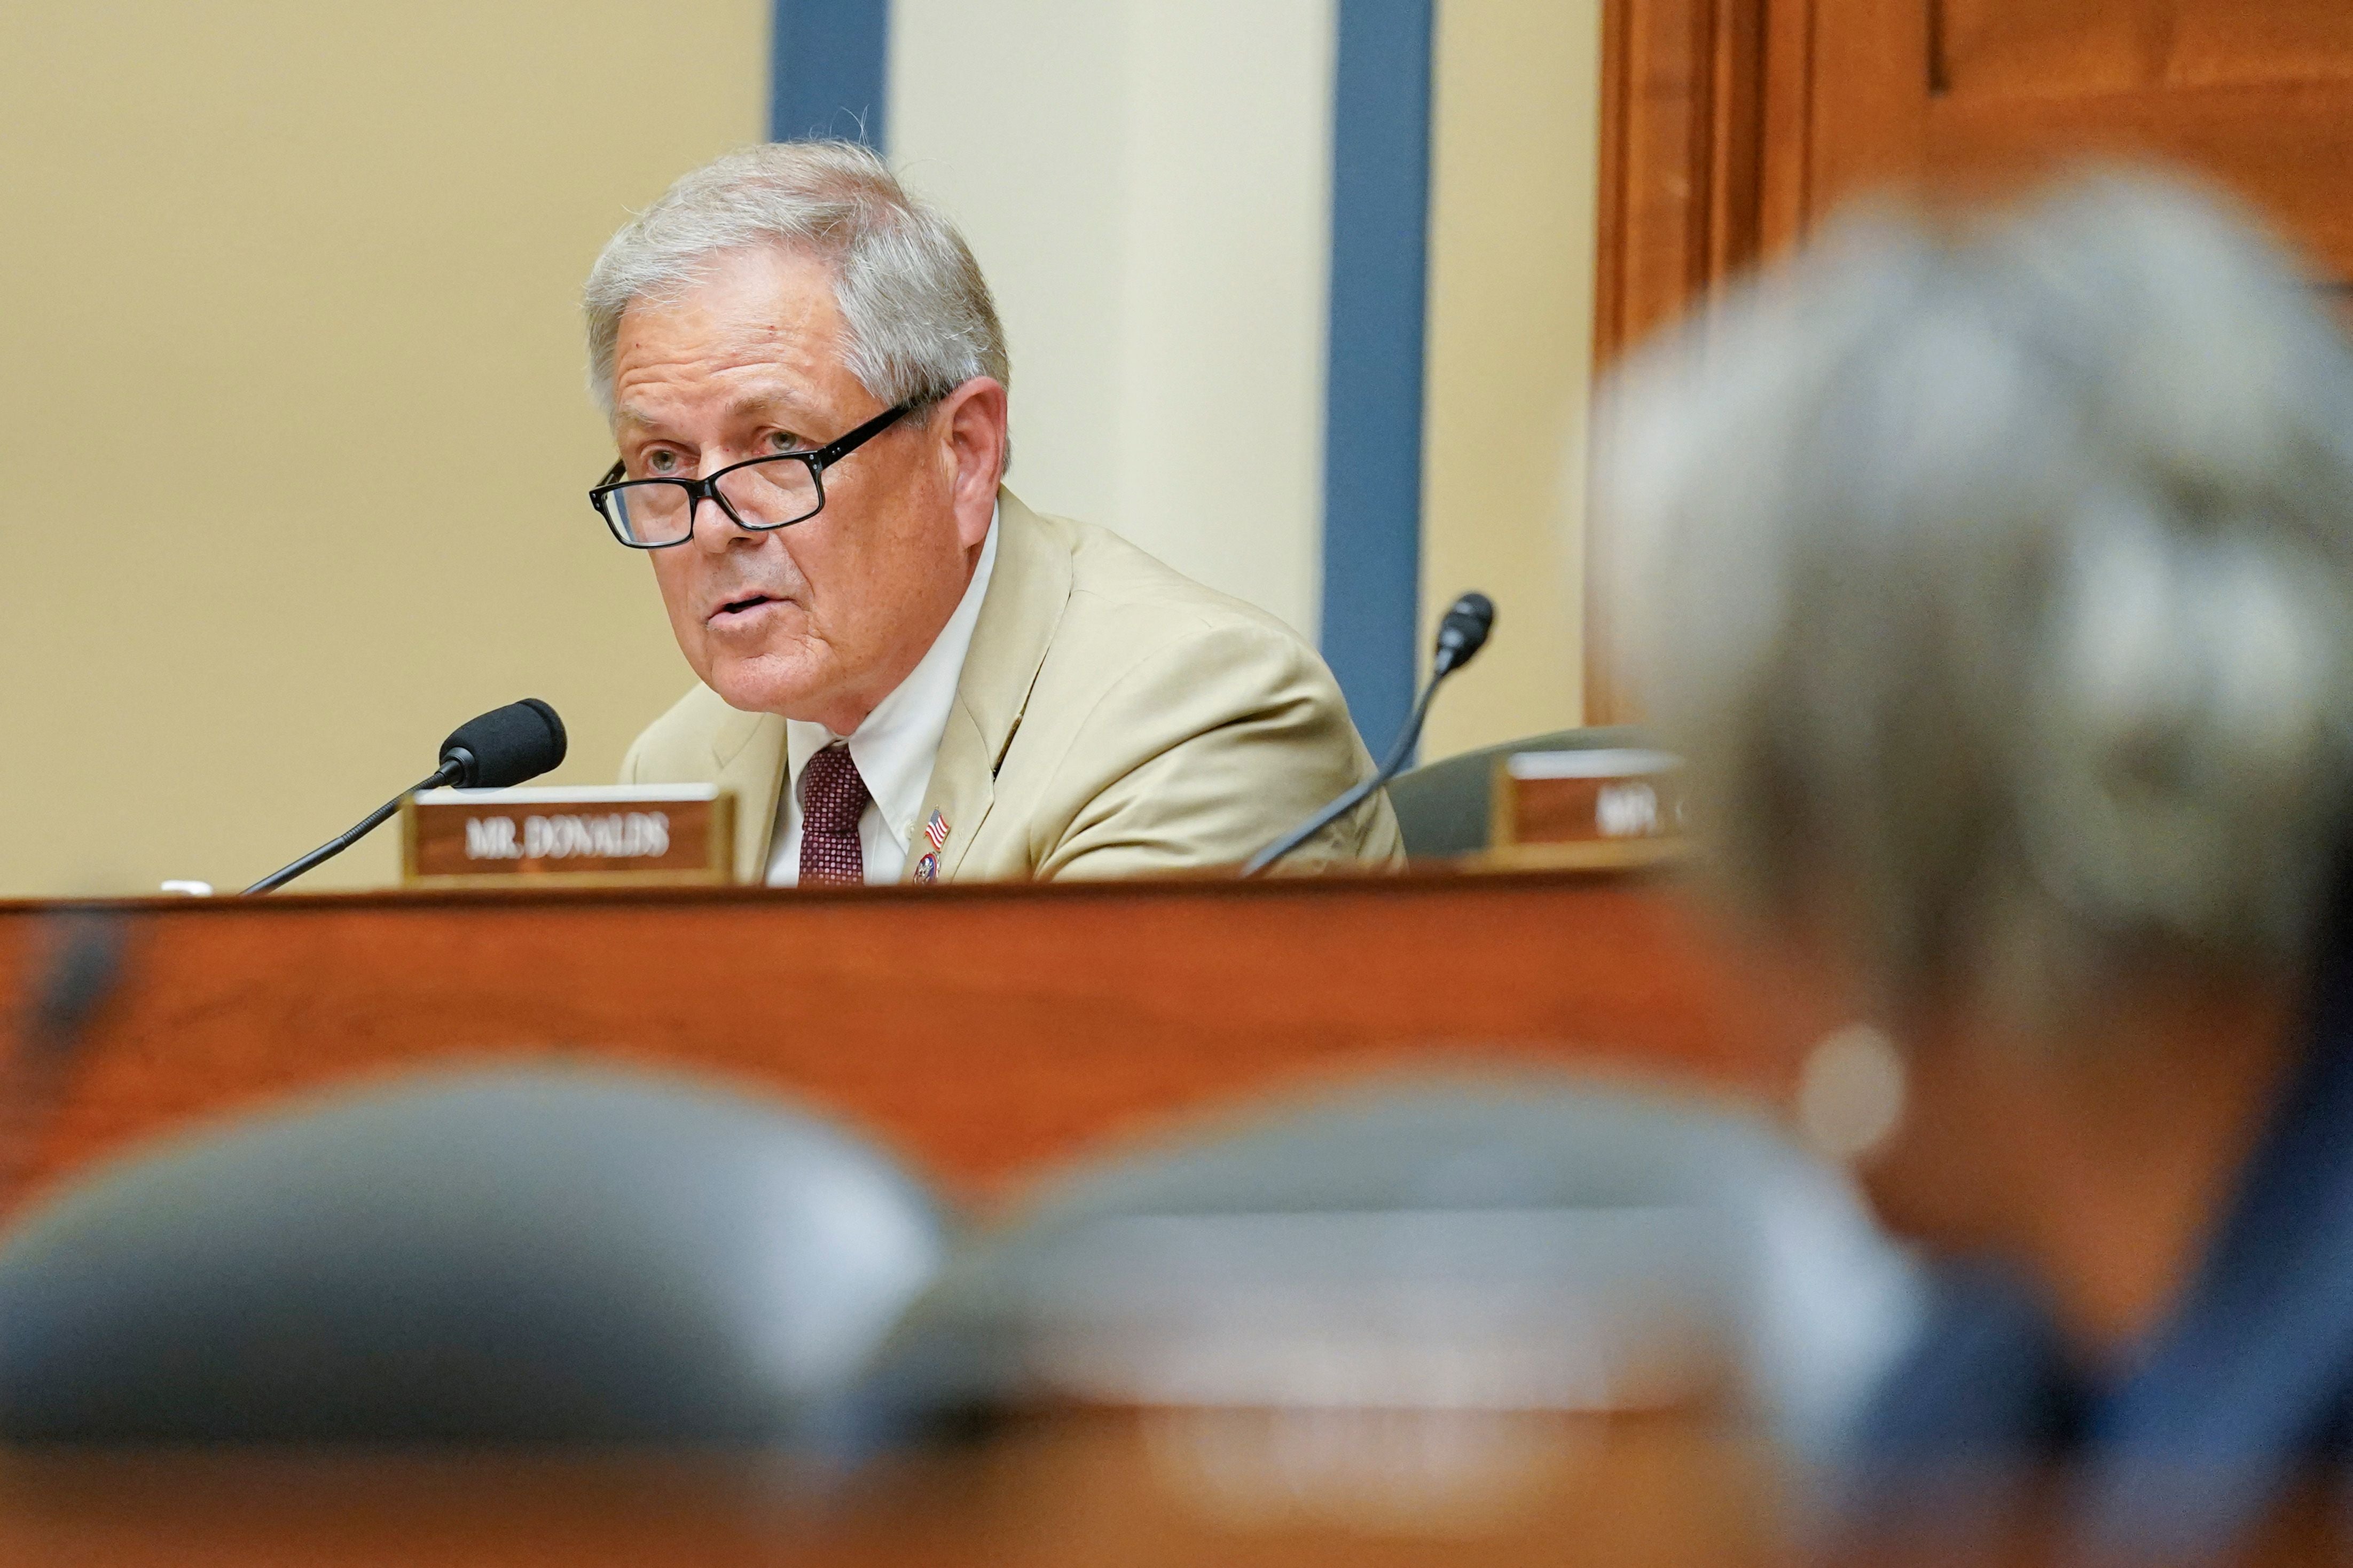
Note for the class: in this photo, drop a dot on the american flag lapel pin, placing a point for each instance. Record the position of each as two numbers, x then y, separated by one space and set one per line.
936 830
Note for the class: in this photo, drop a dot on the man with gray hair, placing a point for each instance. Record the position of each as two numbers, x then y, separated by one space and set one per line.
906 675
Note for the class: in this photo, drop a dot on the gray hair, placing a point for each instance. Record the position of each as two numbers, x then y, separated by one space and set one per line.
917 312
1999 586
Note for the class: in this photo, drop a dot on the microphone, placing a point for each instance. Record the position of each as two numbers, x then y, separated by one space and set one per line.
504 746
1461 634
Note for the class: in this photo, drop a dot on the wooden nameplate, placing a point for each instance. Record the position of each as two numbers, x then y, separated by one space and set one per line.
1608 806
609 836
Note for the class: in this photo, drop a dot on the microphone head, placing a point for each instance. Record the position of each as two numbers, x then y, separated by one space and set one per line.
1464 631
506 745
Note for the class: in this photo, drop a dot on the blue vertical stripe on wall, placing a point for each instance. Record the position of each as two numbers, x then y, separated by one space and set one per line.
1372 443
828 61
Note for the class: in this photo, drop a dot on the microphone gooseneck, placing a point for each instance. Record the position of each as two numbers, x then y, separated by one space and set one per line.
503 747
1461 634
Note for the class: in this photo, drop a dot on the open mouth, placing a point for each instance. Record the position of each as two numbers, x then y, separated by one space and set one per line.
744 605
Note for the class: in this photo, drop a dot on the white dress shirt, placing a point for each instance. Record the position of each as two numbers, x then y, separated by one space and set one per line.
893 749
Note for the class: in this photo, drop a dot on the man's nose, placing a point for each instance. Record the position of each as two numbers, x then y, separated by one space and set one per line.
711 528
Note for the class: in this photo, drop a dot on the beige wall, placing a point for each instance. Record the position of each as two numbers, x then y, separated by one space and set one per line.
290 373
1515 151
1147 186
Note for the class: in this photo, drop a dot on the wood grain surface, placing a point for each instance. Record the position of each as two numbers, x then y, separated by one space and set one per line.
1079 1491
1074 1489
982 1031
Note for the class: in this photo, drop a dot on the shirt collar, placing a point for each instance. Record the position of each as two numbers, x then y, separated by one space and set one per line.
895 746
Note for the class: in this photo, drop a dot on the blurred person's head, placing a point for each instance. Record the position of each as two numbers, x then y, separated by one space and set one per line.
1998 584
776 301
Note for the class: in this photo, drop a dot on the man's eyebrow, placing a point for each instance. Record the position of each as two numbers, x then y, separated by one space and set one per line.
775 399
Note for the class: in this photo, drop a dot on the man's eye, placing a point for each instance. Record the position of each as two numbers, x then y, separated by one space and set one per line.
785 441
662 462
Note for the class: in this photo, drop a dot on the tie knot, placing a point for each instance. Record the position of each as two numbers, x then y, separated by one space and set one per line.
833 797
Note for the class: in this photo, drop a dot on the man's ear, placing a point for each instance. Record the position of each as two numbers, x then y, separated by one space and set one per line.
972 418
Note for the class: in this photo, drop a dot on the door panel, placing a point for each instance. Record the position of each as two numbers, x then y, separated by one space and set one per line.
1731 127
1964 97
2283 150
2020 48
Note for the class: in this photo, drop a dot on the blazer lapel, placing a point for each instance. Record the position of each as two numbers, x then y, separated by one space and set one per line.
750 751
961 791
1027 589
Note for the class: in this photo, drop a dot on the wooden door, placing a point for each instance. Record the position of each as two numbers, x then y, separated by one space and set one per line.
1961 95
1731 127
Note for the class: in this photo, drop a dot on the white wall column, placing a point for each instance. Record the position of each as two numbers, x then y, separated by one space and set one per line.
1147 187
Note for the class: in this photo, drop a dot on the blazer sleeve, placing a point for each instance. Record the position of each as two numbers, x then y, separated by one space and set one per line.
1208 751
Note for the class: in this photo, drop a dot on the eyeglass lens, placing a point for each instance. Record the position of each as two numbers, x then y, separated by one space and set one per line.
763 495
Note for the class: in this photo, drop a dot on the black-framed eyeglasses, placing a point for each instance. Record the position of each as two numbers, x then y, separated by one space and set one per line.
757 494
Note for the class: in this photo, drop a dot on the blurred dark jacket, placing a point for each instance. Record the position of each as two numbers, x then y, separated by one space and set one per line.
2245 1390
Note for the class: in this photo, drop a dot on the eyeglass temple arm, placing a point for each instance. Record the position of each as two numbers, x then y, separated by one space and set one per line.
834 451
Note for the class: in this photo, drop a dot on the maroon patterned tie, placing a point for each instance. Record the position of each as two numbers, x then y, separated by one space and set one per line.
833 797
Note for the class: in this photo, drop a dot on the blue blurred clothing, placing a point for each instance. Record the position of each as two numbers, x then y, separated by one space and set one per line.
2246 1388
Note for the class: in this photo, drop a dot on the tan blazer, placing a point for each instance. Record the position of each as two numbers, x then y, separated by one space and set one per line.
1113 719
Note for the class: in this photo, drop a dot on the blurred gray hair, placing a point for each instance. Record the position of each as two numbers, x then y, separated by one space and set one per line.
918 314
1999 586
